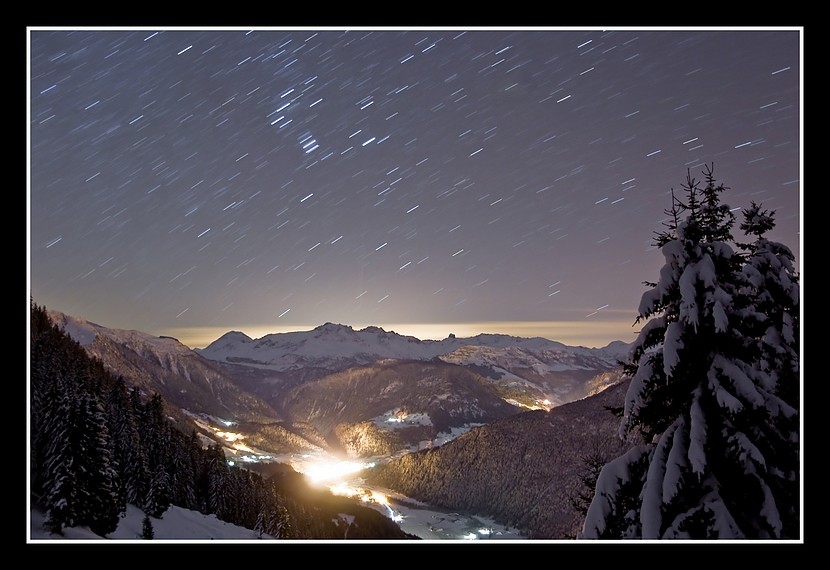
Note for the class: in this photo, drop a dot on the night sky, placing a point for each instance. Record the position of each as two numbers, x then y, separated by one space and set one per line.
190 182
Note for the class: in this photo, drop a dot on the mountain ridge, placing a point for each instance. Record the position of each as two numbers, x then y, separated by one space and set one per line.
338 343
165 365
552 371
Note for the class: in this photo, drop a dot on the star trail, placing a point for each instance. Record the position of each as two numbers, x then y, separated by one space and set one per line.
189 182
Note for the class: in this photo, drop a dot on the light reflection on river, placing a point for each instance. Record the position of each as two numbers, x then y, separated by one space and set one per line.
343 477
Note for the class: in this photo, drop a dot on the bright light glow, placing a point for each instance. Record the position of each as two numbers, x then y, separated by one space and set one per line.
322 471
379 498
229 436
399 417
344 489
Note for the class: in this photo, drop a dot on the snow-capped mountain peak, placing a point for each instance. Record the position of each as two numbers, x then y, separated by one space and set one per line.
336 346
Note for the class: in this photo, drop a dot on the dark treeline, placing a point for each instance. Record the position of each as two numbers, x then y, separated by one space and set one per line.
97 444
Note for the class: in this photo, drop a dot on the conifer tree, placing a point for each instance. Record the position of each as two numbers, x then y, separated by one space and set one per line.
96 474
770 310
41 374
280 523
218 482
714 374
58 474
592 466
158 497
147 532
155 431
79 479
141 475
183 471
127 452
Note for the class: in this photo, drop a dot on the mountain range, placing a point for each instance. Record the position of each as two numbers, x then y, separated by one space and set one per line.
374 393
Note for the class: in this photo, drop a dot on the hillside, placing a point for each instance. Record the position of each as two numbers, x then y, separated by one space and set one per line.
167 367
415 400
522 470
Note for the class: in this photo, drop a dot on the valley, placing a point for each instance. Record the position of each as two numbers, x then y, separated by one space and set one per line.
420 431
345 477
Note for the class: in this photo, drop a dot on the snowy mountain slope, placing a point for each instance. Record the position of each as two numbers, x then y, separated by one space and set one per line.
176 524
540 372
164 365
559 376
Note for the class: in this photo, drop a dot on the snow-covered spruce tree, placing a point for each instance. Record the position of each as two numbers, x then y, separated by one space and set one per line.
127 455
158 496
714 388
97 477
771 311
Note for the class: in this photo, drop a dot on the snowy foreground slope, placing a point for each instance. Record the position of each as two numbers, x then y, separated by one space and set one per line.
185 526
176 524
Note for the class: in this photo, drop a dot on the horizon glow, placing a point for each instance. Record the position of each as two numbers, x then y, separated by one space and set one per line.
572 333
